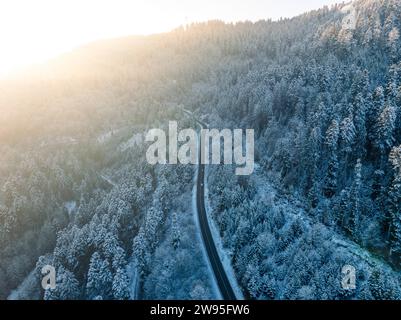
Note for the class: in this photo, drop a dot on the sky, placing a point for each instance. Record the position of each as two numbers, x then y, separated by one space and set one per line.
32 31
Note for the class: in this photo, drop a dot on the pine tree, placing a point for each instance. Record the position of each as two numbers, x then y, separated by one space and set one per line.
254 280
376 285
354 213
360 106
343 207
383 131
331 141
378 188
381 287
99 278
140 250
67 286
120 285
314 154
7 222
376 107
176 234
153 219
393 43
347 133
360 84
393 82
199 292
394 203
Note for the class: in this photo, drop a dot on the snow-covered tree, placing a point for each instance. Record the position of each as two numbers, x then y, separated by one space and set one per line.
175 230
384 128
331 141
67 286
120 286
394 202
99 278
355 210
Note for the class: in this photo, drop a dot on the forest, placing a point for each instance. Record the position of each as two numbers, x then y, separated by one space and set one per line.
324 99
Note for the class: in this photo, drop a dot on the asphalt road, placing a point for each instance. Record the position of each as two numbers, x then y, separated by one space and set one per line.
224 285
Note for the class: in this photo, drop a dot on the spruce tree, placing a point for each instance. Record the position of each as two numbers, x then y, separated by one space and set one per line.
394 203
331 141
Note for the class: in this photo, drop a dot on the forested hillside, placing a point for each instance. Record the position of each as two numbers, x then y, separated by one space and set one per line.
323 93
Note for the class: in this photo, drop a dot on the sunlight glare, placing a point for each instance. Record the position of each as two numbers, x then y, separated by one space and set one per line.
34 31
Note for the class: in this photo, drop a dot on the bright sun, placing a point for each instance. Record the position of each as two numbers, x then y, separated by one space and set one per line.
32 31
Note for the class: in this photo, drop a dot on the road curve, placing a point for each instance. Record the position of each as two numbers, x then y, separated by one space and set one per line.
223 283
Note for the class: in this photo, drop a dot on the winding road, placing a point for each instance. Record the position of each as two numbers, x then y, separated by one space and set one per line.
227 292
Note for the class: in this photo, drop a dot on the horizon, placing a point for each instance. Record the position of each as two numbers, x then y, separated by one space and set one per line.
43 31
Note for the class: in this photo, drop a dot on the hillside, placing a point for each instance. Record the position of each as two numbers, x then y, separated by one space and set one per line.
322 92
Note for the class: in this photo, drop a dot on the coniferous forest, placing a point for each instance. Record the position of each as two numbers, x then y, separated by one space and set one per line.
322 92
